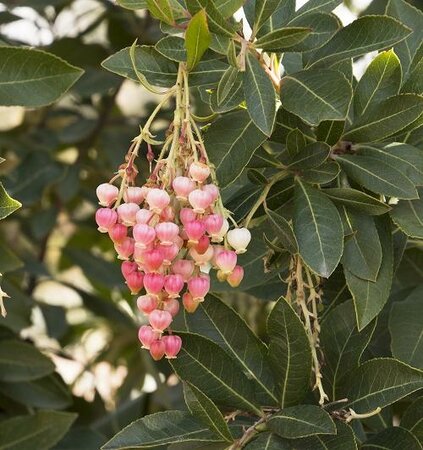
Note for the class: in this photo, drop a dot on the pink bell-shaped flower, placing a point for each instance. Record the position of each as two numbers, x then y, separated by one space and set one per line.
118 233
146 335
167 232
199 171
157 199
153 282
127 213
147 303
135 282
157 349
173 345
183 186
171 305
160 320
143 234
200 200
183 267
107 194
153 259
226 261
144 216
194 230
190 304
173 284
238 239
125 248
199 286
105 218
133 194
235 277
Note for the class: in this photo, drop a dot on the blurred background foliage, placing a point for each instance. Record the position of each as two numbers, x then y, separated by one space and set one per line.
67 294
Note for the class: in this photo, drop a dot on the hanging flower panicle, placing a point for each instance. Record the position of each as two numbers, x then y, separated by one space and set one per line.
171 231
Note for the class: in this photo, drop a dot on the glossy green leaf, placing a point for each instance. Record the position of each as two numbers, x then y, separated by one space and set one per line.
278 19
362 250
330 131
283 231
213 371
197 38
289 353
357 200
301 421
386 119
172 47
318 229
284 39
413 19
264 9
7 204
203 409
217 12
163 428
20 361
382 79
231 141
370 296
393 438
414 82
322 25
162 10
310 95
311 156
260 95
323 174
229 83
408 215
34 78
377 33
342 345
406 328
312 6
371 390
413 418
220 323
41 430
405 158
377 176
295 142
287 122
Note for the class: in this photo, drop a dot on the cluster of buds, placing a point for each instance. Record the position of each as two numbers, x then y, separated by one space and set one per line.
170 233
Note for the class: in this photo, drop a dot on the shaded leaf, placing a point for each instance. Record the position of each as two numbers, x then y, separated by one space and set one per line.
330 131
172 47
289 353
318 229
342 344
323 174
310 95
283 231
264 9
393 438
408 215
357 200
7 204
231 141
406 328
283 39
268 441
413 418
197 38
311 156
210 369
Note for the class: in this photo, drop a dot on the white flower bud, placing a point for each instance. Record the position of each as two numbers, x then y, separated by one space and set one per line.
238 239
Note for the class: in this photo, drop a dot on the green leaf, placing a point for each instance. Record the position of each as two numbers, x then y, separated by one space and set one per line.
287 122
318 229
158 70
376 32
132 4
357 200
311 156
172 47
295 142
301 421
382 79
414 83
33 78
20 361
386 119
7 204
412 18
312 6
362 250
322 174
231 141
45 393
343 440
377 176
393 438
330 131
322 25
220 323
283 39
413 418
370 390
268 441
41 430
210 369
283 231
260 95
405 326
202 408
408 215
289 353
197 38
230 82
278 19
264 9
405 158
162 10
163 428
370 297
310 95
342 344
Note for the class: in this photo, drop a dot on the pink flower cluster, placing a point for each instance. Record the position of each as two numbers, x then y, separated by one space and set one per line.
169 239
